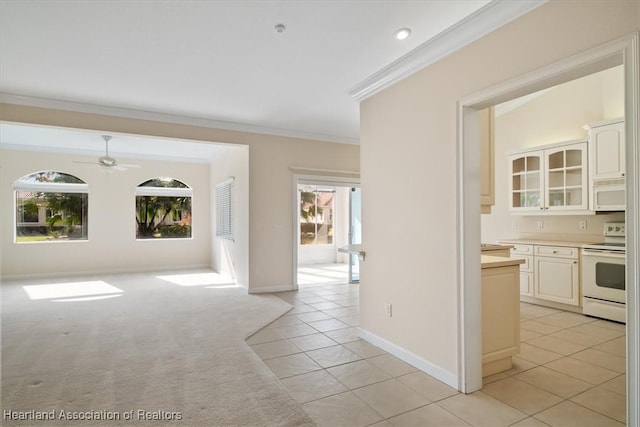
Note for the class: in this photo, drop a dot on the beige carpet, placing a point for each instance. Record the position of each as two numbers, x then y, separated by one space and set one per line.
158 347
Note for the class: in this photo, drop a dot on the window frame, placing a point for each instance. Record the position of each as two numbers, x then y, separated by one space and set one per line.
141 190
49 187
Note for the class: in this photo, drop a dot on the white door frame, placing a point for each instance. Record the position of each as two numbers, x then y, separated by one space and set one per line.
333 180
624 51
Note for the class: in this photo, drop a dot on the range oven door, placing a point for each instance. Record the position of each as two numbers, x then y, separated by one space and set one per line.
603 275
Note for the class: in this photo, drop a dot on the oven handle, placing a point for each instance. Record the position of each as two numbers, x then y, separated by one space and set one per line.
589 252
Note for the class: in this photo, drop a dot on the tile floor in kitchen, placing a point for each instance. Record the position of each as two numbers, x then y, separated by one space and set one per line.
570 371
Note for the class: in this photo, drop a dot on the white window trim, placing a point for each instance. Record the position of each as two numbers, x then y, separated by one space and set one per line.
164 191
51 187
45 187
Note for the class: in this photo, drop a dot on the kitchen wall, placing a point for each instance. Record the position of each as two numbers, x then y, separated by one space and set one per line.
112 246
554 115
270 177
409 161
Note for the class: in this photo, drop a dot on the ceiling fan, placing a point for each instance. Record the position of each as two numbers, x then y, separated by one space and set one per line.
108 163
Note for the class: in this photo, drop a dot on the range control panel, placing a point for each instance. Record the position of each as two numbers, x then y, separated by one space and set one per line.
614 229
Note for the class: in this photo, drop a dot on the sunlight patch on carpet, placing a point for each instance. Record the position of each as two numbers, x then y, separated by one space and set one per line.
88 298
73 290
200 279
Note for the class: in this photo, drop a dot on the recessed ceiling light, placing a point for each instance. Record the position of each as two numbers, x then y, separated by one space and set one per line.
403 33
280 28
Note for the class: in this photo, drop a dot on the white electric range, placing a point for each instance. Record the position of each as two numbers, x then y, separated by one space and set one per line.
603 275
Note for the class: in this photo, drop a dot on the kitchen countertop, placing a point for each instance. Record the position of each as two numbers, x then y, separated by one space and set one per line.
489 261
494 247
355 249
545 242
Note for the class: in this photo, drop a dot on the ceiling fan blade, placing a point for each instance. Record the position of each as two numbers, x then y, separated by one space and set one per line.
128 165
86 163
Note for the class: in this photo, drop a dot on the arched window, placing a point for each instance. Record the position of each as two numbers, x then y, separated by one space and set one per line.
163 209
51 206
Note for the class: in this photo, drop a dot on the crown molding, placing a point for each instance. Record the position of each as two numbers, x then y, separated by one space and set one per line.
79 107
480 23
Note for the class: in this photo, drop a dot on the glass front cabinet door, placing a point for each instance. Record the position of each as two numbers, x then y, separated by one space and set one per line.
526 186
566 178
550 179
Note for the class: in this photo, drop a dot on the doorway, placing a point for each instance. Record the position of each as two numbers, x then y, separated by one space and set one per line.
326 218
619 52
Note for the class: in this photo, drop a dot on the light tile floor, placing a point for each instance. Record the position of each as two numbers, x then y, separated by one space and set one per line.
570 371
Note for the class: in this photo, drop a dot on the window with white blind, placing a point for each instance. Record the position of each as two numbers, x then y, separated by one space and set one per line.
224 209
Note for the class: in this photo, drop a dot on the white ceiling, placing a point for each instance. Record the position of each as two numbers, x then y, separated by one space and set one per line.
221 62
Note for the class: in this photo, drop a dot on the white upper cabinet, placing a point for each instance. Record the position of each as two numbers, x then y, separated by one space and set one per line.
607 149
526 184
567 178
548 179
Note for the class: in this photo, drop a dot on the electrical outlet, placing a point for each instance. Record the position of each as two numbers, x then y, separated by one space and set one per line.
388 310
514 223
582 225
540 225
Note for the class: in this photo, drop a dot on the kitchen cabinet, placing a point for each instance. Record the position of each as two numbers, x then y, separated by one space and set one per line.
550 274
525 252
550 179
500 314
487 156
607 149
607 165
557 274
526 184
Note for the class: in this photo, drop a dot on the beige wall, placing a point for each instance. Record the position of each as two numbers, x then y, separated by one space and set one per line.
231 257
270 179
557 114
112 246
408 160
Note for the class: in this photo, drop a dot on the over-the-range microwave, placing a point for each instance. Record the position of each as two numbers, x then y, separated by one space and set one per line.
608 195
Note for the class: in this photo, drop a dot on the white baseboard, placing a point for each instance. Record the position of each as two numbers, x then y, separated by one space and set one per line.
268 289
420 363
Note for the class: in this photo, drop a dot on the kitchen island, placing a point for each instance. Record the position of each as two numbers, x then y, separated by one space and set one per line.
500 312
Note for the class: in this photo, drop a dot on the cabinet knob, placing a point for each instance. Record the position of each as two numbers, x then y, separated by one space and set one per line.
623 174
555 252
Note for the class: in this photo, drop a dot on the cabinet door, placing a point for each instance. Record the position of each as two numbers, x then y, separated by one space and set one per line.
526 283
526 181
487 155
566 178
607 151
557 279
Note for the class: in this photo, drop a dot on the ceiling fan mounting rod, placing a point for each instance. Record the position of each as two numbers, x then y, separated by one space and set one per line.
106 138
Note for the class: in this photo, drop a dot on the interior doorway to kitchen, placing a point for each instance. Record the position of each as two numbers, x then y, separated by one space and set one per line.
620 52
327 220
